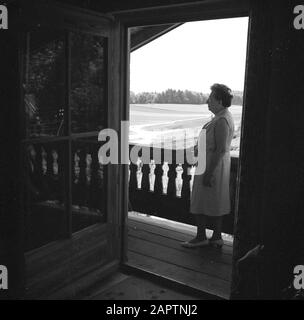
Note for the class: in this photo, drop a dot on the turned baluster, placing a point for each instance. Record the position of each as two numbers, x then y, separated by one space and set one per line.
101 194
75 175
165 178
146 168
152 175
55 163
61 154
158 184
179 180
94 186
75 167
38 161
31 160
49 160
133 177
82 176
44 161
186 182
171 190
186 177
145 182
88 169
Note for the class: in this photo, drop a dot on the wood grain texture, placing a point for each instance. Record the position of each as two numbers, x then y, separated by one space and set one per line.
58 264
155 247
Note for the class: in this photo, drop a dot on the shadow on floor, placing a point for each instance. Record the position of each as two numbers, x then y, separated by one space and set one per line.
121 286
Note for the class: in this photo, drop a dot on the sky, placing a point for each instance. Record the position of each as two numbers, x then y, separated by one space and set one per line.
192 57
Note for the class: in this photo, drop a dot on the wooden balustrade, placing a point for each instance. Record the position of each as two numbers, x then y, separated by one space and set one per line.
155 186
89 178
171 193
46 169
45 172
47 183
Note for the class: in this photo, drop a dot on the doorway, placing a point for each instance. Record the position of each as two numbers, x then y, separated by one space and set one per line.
161 106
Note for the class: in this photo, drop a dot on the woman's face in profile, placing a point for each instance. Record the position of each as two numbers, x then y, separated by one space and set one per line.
214 105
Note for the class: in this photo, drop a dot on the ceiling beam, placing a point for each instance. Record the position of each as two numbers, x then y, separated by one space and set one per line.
140 36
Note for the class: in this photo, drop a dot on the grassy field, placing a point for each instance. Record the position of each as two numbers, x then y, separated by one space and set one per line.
153 123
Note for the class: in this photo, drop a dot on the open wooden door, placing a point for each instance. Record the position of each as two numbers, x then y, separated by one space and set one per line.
72 89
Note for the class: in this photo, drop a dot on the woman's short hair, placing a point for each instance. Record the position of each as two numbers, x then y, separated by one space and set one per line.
223 93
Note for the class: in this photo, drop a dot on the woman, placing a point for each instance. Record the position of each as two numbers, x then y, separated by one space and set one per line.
210 192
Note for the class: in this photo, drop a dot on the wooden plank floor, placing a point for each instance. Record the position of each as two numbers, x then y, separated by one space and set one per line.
154 246
120 286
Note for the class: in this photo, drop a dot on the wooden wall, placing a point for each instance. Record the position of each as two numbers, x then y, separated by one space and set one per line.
270 200
11 213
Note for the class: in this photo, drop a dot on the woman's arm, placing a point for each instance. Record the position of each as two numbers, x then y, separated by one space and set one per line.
221 135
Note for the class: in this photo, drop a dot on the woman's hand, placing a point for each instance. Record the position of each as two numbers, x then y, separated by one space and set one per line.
207 179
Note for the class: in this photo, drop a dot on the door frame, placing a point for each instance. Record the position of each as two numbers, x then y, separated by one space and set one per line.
180 13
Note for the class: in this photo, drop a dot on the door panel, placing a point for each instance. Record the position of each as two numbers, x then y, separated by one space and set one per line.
71 91
45 145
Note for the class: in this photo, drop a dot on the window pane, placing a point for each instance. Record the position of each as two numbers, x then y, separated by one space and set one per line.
88 184
45 170
88 82
44 85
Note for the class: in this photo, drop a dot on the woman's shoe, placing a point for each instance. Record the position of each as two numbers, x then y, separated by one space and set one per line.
195 244
216 243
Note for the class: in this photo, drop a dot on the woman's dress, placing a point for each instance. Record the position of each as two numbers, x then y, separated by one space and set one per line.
214 200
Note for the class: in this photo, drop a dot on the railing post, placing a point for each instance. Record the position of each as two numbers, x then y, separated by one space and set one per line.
145 182
171 191
82 177
158 185
186 182
49 159
94 186
133 177
38 161
60 181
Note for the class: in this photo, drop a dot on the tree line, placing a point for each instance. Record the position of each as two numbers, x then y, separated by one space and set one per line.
177 97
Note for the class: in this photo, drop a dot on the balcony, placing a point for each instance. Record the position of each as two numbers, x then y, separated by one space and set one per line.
158 221
160 198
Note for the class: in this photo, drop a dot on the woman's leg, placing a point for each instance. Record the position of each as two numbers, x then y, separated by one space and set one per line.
200 220
200 240
217 231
